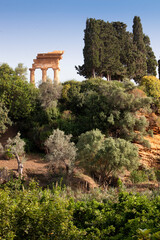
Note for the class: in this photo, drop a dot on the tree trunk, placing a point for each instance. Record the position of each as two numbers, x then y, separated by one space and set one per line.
107 77
20 166
93 72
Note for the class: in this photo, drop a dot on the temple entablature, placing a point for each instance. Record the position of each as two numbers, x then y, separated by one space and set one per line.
44 61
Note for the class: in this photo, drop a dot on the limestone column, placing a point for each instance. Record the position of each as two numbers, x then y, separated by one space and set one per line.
56 76
44 74
32 78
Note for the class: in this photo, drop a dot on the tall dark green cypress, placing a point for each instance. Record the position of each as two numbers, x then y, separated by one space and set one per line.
112 52
150 57
140 57
138 34
126 49
110 63
92 44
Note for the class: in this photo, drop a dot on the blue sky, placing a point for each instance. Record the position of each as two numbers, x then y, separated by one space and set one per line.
28 27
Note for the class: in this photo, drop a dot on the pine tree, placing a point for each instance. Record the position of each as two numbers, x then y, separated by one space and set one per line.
21 71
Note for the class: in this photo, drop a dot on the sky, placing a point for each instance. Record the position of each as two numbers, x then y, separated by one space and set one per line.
29 27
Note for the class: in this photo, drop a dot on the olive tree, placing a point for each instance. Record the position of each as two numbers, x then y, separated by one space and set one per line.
15 147
49 94
60 149
105 156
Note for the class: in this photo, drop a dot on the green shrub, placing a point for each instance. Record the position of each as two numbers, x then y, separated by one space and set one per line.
36 214
151 85
8 154
151 173
138 176
157 175
28 145
19 96
150 132
32 213
105 156
108 106
60 150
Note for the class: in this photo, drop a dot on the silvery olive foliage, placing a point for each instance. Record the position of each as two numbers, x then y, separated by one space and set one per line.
105 156
61 151
15 147
49 94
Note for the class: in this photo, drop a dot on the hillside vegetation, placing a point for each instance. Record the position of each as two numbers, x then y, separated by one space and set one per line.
96 126
87 131
92 145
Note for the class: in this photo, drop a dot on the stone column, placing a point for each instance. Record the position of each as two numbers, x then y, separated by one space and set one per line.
32 78
44 74
56 76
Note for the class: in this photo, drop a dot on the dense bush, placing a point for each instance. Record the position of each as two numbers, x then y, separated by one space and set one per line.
36 214
60 150
33 213
49 93
105 156
108 106
120 220
19 96
112 107
138 176
151 85
143 175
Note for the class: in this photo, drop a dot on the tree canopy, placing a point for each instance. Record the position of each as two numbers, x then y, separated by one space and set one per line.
21 71
108 106
60 149
105 156
18 95
111 51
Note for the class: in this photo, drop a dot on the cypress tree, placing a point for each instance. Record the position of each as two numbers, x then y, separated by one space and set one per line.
110 61
138 34
126 50
151 59
140 56
112 52
91 49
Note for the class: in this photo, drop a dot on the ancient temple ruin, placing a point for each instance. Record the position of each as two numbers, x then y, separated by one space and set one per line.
45 61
